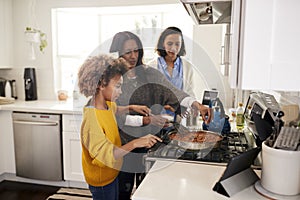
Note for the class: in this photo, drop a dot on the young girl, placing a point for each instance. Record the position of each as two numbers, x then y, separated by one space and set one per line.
101 78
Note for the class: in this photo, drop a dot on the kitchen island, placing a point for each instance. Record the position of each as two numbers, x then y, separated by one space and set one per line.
192 181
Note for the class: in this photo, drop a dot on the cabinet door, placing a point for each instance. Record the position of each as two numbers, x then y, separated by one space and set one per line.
255 44
72 148
269 41
6 34
7 151
285 60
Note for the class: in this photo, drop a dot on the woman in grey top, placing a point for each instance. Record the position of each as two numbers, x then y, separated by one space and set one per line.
144 86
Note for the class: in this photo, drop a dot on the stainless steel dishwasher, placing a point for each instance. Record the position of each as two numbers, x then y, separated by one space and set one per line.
38 147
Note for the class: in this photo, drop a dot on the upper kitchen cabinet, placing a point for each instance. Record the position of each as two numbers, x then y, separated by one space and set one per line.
269 45
6 34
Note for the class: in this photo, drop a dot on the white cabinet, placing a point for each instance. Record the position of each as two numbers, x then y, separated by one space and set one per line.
7 152
6 34
72 148
269 45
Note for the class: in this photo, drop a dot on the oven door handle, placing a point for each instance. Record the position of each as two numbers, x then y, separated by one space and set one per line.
36 123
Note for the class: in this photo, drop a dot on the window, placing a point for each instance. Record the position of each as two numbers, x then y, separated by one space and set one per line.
94 28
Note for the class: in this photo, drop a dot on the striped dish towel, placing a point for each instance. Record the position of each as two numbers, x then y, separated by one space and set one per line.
71 194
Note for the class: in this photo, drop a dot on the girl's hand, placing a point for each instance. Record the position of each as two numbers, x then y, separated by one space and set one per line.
146 141
144 110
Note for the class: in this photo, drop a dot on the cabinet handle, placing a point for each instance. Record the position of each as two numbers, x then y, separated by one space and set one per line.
222 55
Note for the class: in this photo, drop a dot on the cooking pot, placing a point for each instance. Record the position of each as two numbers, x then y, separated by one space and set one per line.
195 140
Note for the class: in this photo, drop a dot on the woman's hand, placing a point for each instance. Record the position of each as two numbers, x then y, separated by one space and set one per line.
206 112
144 110
170 108
146 141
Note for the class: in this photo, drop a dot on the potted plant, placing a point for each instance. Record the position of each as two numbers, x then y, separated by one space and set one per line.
34 35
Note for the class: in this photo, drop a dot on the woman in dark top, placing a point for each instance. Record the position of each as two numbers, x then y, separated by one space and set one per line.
144 86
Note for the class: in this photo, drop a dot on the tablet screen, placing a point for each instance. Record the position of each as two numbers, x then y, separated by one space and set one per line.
209 95
240 163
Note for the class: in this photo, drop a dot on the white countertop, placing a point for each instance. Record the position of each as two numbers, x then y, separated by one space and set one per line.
62 107
178 180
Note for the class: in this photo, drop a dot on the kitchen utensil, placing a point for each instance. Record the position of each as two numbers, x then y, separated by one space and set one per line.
191 119
188 140
288 139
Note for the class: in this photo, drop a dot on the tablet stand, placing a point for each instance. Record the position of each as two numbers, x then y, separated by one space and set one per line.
236 183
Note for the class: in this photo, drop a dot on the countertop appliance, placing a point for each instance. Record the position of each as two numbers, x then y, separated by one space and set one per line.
263 115
205 12
38 146
2 87
30 84
6 88
209 12
233 143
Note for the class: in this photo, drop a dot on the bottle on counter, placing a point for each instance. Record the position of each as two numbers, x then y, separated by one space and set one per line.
8 89
240 117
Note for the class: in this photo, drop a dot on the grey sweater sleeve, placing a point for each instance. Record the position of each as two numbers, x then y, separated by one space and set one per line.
155 76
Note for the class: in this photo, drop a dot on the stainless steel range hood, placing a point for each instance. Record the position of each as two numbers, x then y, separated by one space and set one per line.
209 12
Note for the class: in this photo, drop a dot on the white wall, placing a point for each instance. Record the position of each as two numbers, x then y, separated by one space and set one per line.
23 16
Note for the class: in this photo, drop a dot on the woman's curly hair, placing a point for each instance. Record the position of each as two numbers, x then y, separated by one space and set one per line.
99 70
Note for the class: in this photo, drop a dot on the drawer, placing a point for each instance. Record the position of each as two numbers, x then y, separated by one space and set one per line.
72 123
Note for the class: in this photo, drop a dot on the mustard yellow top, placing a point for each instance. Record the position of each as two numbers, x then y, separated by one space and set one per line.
99 136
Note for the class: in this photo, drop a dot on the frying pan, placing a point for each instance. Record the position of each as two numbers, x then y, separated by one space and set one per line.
194 145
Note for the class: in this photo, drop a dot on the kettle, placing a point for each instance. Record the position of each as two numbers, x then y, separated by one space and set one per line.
8 88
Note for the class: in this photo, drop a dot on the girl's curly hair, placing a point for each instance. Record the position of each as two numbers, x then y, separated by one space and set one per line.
99 70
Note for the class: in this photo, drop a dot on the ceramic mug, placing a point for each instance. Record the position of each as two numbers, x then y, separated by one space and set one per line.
62 95
280 170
